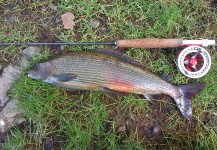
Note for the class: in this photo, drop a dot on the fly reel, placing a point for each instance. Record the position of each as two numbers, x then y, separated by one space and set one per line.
193 61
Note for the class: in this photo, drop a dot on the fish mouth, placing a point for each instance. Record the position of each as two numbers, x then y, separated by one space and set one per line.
30 74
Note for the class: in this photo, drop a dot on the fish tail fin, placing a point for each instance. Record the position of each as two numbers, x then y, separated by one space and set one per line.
187 91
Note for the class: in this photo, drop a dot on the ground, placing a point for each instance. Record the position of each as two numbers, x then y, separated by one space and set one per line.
62 118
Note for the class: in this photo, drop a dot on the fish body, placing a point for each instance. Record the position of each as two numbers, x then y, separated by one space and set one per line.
110 72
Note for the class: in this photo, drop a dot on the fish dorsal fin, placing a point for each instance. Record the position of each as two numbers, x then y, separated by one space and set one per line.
119 55
166 77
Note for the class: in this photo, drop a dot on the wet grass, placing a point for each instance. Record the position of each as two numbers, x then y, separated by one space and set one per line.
91 120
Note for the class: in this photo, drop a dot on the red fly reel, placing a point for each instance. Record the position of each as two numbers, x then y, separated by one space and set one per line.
193 61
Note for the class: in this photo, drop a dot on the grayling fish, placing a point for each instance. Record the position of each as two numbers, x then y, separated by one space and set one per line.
110 72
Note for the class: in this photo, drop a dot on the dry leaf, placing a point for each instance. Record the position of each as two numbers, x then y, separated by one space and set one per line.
52 6
7 78
80 7
68 20
9 109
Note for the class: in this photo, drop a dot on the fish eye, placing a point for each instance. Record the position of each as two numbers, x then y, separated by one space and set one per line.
37 66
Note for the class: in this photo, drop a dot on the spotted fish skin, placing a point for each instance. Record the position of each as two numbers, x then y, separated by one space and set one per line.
111 72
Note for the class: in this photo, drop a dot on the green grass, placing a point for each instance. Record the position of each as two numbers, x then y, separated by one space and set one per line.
90 120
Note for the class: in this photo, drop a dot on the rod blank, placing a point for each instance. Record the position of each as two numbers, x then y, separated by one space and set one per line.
58 43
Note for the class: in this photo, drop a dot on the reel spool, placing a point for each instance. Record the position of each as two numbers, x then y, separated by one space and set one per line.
193 61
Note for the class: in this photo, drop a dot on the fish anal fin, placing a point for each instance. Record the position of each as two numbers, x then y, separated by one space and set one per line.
108 90
151 97
65 77
119 55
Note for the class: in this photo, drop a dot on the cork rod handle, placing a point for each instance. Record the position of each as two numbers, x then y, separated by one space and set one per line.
150 43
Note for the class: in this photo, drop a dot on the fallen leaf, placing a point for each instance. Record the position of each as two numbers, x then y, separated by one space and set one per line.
80 7
52 6
9 107
31 51
68 20
7 78
95 23
121 129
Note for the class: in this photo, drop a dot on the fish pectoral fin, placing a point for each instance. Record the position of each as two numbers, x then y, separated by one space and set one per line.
108 90
65 77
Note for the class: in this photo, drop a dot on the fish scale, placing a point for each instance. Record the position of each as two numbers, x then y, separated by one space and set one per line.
97 76
113 69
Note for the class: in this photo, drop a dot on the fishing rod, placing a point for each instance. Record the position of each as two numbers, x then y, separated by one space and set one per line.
132 43
193 61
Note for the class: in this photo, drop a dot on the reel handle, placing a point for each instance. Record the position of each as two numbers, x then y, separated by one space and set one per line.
163 43
150 43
